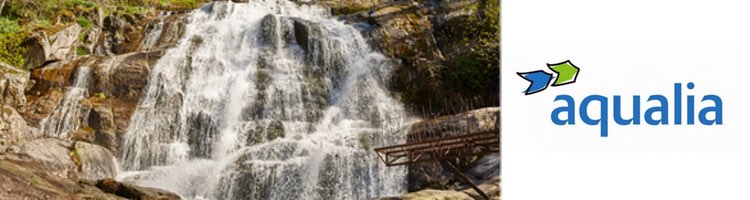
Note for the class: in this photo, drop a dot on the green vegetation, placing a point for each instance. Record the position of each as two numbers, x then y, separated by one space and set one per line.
100 95
22 17
81 51
476 71
11 37
85 23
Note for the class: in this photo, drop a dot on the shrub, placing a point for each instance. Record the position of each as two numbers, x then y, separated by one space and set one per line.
8 26
12 51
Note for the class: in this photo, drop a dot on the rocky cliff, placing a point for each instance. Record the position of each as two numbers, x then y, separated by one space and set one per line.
56 144
36 104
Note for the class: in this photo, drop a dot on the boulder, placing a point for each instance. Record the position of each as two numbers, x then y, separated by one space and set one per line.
56 75
134 192
95 161
24 179
52 155
59 46
491 188
20 181
430 194
13 128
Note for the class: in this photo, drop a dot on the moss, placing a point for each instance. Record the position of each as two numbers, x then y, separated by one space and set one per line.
100 95
85 23
75 158
81 51
12 51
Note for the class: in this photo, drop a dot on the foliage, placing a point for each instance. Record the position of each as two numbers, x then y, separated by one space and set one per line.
81 51
85 23
100 95
8 26
476 71
12 51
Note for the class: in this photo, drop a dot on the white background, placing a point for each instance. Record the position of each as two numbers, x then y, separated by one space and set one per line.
626 48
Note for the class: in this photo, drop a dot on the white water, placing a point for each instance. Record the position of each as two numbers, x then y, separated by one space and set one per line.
240 109
67 116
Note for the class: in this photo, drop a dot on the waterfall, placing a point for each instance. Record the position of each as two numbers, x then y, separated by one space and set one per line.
66 117
266 100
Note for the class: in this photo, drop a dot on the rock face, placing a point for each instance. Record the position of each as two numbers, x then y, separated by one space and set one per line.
124 49
59 46
440 64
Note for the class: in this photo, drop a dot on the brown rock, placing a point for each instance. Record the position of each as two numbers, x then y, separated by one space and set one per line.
59 46
39 107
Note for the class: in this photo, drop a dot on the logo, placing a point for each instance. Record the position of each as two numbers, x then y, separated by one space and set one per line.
566 73
710 113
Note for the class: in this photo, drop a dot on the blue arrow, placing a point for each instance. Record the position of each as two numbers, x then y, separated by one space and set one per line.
539 80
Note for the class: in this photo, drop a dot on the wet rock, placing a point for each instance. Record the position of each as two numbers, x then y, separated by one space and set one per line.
95 161
201 132
134 192
56 75
39 107
59 46
128 33
265 131
164 33
102 121
302 29
131 75
269 26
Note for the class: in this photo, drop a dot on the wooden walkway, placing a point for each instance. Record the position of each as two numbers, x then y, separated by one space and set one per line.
442 149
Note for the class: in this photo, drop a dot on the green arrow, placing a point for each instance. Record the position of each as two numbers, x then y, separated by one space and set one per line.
566 73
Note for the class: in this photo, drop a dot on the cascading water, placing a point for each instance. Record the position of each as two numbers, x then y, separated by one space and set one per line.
266 100
66 117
